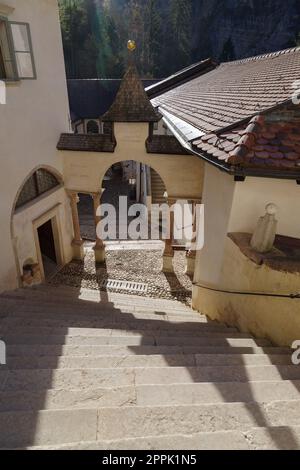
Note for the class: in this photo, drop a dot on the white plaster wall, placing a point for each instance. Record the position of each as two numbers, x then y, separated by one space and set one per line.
254 194
35 114
218 193
236 207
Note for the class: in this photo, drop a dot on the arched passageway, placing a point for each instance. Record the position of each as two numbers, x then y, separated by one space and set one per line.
135 183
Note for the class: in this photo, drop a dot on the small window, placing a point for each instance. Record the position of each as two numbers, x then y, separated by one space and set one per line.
39 183
107 128
92 127
16 56
23 50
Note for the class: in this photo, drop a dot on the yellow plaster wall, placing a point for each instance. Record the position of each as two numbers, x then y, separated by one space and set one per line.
182 174
277 319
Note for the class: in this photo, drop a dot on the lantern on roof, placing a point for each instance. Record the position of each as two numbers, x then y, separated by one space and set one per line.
131 45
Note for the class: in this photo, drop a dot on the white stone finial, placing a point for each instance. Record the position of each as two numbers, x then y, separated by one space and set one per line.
271 209
264 235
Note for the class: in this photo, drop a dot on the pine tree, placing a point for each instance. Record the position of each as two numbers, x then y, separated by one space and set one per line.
228 52
154 39
80 47
180 33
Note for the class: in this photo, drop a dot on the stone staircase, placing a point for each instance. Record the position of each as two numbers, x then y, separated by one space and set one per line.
136 373
157 188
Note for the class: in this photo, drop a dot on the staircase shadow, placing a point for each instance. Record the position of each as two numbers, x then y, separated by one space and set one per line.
117 319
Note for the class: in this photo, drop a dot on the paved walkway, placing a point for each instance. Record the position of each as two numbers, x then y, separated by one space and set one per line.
140 263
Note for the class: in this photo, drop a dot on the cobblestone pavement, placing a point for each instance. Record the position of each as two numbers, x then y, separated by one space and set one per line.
130 265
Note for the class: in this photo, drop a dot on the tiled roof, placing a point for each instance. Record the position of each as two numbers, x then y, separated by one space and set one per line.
165 144
234 91
265 143
90 99
132 103
86 143
182 76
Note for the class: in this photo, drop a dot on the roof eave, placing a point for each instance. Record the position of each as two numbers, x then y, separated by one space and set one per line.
244 171
180 79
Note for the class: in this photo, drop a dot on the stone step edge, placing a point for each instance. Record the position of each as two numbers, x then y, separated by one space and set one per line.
159 369
108 297
137 387
231 440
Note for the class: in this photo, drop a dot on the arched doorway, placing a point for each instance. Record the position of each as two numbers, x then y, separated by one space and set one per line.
133 180
36 226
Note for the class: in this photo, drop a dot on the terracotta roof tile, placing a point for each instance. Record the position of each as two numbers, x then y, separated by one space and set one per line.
262 143
234 91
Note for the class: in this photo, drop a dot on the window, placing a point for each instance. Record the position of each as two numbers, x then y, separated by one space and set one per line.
39 183
92 127
107 128
16 56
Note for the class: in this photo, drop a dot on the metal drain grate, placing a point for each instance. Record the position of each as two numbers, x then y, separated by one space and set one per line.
128 286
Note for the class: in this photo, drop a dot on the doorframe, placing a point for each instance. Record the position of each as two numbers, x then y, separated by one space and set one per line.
54 217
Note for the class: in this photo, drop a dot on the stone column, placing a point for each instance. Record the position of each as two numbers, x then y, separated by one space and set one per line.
77 242
99 248
169 251
191 254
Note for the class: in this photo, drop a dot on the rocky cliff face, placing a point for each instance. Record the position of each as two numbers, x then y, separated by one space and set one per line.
240 28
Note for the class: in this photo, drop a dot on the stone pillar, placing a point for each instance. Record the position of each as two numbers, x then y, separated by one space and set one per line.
99 248
169 251
77 243
191 254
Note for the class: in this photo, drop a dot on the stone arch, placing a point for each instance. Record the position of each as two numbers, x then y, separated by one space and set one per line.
47 168
140 161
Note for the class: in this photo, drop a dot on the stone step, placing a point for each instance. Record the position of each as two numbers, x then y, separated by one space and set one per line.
44 324
19 307
106 333
65 350
41 428
171 360
138 340
264 438
70 379
149 395
71 295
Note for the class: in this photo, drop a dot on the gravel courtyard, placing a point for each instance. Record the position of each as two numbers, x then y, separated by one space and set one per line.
143 266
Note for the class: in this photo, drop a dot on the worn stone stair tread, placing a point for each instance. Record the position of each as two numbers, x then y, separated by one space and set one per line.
264 438
133 340
71 295
34 309
116 330
170 360
149 395
68 379
135 422
79 350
